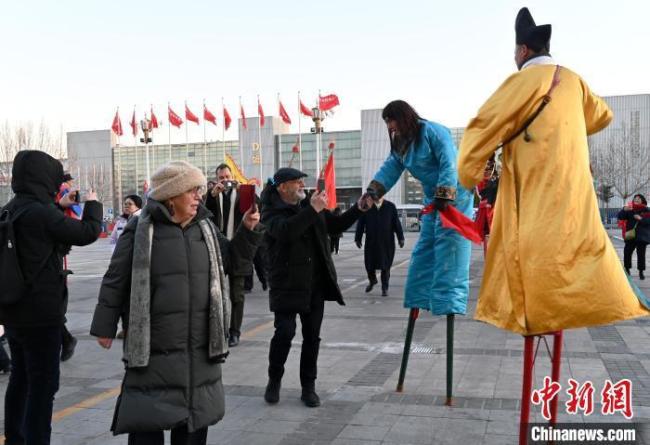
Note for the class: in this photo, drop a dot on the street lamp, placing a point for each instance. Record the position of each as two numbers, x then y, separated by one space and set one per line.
145 124
318 118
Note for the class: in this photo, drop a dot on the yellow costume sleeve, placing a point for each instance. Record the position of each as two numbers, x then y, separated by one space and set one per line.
497 119
597 113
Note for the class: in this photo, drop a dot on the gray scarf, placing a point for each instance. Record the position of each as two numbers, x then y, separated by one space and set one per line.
138 339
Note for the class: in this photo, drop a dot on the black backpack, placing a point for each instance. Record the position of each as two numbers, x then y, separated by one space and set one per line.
12 280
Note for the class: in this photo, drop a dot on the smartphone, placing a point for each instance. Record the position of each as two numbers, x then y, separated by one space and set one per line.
246 197
76 196
321 185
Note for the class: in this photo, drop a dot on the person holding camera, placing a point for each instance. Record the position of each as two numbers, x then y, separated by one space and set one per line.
34 324
302 273
223 202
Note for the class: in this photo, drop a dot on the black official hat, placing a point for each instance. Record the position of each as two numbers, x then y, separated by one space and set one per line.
529 34
287 174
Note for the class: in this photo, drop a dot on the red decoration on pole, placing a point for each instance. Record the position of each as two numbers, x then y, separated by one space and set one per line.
284 115
174 119
134 125
226 118
328 102
208 116
260 112
306 111
154 119
117 124
330 182
190 116
243 116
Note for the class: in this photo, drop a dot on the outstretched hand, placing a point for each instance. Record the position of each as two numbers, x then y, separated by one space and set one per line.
318 200
251 217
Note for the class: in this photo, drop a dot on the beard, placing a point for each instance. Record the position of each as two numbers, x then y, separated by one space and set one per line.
300 195
399 143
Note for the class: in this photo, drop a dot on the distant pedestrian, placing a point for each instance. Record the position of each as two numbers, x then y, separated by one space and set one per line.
381 225
335 238
131 207
636 215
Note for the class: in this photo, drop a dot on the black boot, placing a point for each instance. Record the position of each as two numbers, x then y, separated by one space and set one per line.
641 276
370 286
627 271
67 349
309 397
384 291
233 340
272 393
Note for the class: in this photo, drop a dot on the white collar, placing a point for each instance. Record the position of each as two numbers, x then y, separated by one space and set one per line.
540 60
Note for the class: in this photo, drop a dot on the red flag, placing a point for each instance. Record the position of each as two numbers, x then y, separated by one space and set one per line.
452 218
208 116
284 115
328 102
190 116
117 124
260 112
243 116
154 119
306 111
330 182
226 118
174 119
134 124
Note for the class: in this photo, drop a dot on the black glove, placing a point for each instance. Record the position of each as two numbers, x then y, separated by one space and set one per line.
358 243
440 204
401 244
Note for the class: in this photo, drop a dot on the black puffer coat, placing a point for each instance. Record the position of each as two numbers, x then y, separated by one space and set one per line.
292 251
41 232
642 226
180 385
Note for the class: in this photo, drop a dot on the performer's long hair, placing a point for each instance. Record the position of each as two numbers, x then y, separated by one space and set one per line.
408 124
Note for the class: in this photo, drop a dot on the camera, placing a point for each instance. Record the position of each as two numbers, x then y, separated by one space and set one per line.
77 196
229 185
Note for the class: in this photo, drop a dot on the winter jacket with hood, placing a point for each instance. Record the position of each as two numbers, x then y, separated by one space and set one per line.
41 231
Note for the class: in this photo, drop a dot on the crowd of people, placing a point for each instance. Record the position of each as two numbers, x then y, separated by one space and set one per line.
185 255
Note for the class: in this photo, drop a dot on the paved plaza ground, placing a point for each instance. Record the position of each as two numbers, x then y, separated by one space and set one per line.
358 370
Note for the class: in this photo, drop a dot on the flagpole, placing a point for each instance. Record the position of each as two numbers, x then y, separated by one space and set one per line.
119 162
153 150
205 144
135 150
319 141
169 137
223 131
279 139
241 148
299 133
146 145
187 137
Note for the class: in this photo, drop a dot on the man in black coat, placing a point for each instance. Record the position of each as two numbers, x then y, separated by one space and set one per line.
34 324
302 274
380 224
223 202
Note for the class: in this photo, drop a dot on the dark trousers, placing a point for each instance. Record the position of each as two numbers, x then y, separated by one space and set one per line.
237 303
34 380
640 254
179 436
259 261
385 277
285 329
5 361
335 242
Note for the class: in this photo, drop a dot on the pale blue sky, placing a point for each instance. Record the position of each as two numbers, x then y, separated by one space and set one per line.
72 62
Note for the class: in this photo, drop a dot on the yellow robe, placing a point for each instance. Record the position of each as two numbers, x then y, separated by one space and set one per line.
550 264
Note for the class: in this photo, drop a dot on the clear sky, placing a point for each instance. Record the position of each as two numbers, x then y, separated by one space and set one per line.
72 62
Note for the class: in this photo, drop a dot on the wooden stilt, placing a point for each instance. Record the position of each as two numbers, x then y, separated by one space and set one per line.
413 315
526 388
555 373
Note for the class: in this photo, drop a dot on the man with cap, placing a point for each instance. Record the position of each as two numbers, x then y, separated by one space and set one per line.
302 274
541 274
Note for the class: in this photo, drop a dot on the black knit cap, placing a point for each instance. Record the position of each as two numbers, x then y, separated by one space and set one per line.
529 34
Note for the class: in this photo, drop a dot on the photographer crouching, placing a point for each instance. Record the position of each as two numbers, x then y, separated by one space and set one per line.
302 274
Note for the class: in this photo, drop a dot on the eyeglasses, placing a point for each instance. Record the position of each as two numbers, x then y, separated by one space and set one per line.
200 190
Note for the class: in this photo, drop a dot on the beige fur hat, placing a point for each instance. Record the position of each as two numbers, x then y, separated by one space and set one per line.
174 178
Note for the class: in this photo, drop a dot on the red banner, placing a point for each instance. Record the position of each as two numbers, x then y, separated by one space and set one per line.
243 116
226 118
330 182
134 125
190 116
260 113
306 111
174 119
328 102
284 115
117 124
208 116
154 119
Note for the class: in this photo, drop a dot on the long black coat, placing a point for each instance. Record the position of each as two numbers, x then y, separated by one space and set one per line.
41 234
180 384
381 226
292 250
642 226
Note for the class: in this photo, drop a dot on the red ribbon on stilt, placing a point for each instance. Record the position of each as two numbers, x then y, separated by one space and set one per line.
452 218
